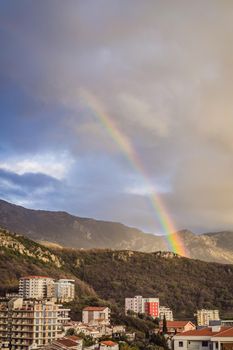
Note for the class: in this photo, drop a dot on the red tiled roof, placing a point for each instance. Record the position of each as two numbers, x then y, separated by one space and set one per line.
108 343
67 342
177 324
94 308
207 331
73 337
225 333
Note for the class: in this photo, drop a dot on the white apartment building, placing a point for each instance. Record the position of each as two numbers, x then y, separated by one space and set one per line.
64 290
28 323
96 313
167 312
204 316
138 304
36 287
134 304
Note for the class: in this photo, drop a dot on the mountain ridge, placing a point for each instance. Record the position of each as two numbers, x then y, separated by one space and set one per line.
70 231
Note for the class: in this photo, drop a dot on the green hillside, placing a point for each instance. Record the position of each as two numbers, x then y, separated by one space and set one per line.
181 283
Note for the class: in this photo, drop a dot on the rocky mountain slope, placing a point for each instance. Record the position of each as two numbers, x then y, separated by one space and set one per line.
71 231
181 283
19 256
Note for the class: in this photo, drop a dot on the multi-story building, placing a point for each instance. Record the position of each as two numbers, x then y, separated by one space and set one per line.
151 307
205 316
64 290
165 312
134 304
36 287
27 323
96 313
138 304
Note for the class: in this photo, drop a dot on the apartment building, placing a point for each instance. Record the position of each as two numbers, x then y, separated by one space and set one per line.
36 287
204 316
96 313
138 304
27 323
134 304
64 290
165 312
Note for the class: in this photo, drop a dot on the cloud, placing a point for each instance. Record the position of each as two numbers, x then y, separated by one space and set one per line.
163 72
26 188
48 164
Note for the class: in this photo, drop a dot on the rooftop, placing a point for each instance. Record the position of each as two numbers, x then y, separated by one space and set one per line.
207 331
67 342
108 343
95 308
177 324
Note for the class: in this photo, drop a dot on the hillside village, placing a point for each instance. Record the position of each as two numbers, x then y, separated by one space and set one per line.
37 317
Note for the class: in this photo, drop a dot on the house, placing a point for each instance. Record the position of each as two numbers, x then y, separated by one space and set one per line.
94 313
108 345
215 338
174 327
66 343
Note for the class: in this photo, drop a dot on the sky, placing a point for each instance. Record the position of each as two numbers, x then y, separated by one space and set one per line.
161 71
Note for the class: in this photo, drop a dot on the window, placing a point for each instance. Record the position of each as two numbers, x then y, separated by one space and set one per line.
204 343
181 344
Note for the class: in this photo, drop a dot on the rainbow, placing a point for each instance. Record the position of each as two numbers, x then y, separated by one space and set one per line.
174 241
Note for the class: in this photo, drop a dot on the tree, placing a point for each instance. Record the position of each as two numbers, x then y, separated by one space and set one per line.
164 325
71 331
159 340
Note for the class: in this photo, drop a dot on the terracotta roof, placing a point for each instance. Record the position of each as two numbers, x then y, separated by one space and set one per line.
177 324
95 308
73 337
225 333
108 343
207 331
66 342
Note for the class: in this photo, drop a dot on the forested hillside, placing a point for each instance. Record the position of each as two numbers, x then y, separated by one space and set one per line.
181 283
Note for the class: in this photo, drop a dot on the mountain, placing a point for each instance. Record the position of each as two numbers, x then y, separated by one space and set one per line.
107 276
61 228
19 256
72 231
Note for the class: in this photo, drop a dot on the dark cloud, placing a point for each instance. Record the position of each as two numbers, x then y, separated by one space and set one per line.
26 188
161 70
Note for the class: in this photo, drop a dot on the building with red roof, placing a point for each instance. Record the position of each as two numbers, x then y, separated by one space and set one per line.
108 344
215 338
174 327
66 343
96 313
